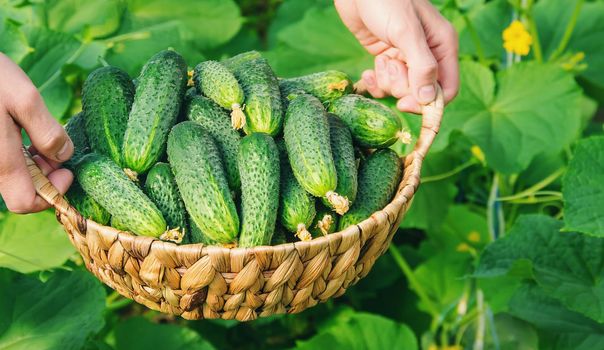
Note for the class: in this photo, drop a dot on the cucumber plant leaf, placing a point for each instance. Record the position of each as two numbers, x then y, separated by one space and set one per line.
33 242
57 314
525 110
362 331
14 43
583 188
140 333
95 19
568 266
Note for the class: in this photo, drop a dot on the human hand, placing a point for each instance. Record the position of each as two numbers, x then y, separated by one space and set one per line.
21 106
414 47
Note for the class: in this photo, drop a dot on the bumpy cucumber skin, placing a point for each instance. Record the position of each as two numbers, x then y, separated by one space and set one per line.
215 81
259 172
372 124
75 128
296 206
201 179
159 93
235 62
306 134
87 206
107 97
322 210
107 183
263 109
379 177
325 86
116 224
217 122
161 188
194 235
343 157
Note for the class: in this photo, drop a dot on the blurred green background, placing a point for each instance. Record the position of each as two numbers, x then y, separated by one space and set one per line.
502 248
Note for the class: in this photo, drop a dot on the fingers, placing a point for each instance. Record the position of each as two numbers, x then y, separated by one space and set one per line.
16 185
26 106
371 84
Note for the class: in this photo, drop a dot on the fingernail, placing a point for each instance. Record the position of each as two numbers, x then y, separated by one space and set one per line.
392 70
65 151
403 105
427 94
369 80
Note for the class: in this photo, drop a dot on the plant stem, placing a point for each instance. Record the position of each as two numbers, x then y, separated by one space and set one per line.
118 304
481 326
533 31
536 187
475 39
495 219
568 32
413 282
533 200
451 172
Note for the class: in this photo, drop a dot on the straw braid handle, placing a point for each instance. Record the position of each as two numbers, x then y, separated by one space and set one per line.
432 114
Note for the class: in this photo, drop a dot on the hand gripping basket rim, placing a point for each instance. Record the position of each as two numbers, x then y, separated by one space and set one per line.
197 281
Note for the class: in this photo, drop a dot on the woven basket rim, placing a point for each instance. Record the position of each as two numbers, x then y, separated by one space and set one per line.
431 118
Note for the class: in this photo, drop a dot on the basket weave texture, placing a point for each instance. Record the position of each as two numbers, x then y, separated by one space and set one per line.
197 281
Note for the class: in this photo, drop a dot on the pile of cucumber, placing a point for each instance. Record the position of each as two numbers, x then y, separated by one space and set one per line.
229 154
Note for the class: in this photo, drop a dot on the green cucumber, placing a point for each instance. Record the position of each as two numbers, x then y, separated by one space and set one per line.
107 183
217 82
296 207
106 101
117 224
259 172
161 188
280 235
325 86
86 205
201 179
76 130
379 177
216 121
343 157
307 140
190 94
196 236
263 109
159 93
233 63
372 124
325 222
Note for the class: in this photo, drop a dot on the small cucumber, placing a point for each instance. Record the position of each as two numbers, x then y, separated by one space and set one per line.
87 206
215 120
215 81
107 183
201 179
263 109
296 207
325 86
116 224
106 101
161 188
325 222
343 157
259 172
372 124
159 93
76 130
307 140
233 63
196 236
379 176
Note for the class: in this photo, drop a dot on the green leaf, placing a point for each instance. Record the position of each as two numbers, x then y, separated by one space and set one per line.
583 188
14 43
57 314
33 242
432 200
568 266
139 333
317 42
362 331
90 19
488 21
565 329
552 19
290 12
534 109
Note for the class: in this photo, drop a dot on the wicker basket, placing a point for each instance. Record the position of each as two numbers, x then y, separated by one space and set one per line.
197 281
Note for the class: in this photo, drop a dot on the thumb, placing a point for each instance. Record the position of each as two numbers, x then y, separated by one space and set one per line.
421 64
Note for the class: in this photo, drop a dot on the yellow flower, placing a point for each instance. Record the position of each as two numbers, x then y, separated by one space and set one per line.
474 236
516 39
477 152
